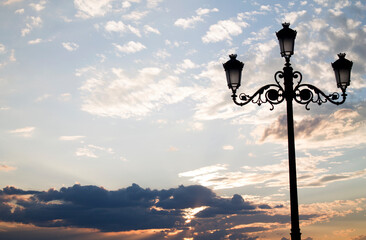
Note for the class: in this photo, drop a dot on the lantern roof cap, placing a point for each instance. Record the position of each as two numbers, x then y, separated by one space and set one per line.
342 62
233 63
286 31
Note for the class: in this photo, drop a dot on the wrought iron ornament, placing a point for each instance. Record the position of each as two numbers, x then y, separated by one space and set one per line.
302 93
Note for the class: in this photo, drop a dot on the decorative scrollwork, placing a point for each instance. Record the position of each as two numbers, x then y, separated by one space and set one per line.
271 93
307 93
302 93
296 75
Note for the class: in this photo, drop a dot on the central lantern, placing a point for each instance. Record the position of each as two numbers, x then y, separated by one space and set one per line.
286 38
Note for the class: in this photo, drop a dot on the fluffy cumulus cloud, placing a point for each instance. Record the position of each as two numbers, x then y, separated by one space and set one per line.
191 22
23 132
92 8
130 47
115 94
224 30
32 22
70 46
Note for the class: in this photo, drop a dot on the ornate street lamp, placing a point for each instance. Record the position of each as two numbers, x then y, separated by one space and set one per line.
301 93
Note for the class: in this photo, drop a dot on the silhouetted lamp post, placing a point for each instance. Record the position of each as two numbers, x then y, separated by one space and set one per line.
301 93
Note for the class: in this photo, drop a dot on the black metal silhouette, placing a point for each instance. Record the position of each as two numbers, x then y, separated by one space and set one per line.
301 93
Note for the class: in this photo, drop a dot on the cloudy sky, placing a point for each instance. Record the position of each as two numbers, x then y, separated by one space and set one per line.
116 121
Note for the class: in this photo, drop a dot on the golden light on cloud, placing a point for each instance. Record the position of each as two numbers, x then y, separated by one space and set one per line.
190 213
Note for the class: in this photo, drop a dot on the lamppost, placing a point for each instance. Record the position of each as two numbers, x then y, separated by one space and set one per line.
301 93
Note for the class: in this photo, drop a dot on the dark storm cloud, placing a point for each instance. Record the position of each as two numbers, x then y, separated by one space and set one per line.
131 208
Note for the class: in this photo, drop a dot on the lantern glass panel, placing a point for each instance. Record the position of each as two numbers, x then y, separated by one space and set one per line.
288 47
233 77
343 78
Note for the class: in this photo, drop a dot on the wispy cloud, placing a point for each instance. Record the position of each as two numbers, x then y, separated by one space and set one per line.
23 132
192 21
70 46
71 138
114 94
130 47
35 41
8 2
135 15
32 22
95 8
6 168
38 6
91 150
310 174
149 29
322 131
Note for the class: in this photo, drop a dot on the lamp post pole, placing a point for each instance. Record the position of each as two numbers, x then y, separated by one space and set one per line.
288 82
301 93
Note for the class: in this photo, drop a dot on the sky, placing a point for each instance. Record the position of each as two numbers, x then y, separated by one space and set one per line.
116 121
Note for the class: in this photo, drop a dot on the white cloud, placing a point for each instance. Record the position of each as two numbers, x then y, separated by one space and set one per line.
291 17
71 138
2 48
223 30
153 3
188 22
32 22
266 8
204 170
114 94
162 54
23 132
113 26
92 8
35 41
38 6
135 15
228 147
126 4
12 56
91 151
205 11
43 97
310 175
149 29
19 11
8 2
192 21
130 47
85 152
188 64
70 46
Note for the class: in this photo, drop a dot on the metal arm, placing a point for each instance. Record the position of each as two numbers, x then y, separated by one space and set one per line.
271 93
307 93
302 93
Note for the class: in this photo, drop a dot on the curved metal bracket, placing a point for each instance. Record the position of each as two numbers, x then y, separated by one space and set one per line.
307 93
271 93
302 93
